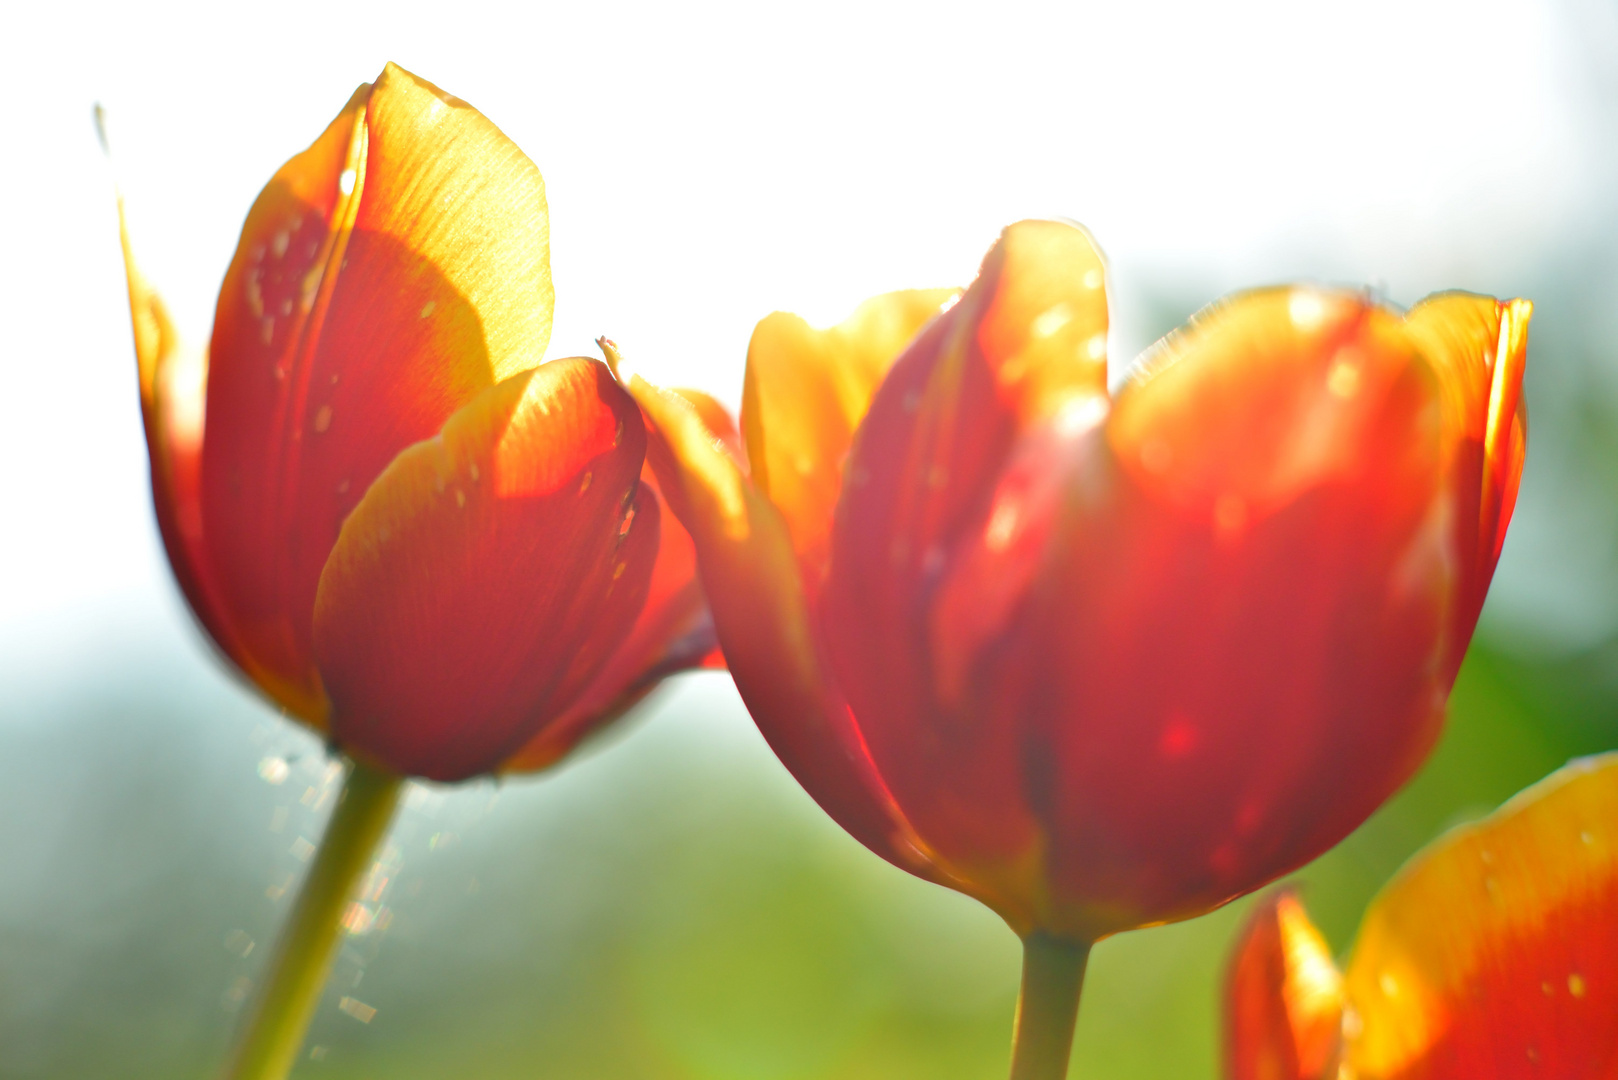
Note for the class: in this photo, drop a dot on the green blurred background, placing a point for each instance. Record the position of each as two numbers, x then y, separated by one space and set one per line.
669 905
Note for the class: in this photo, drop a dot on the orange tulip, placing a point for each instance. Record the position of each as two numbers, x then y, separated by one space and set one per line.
388 515
1104 662
1493 953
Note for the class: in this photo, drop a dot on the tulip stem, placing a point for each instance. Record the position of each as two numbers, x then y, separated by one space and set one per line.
269 1044
1048 1007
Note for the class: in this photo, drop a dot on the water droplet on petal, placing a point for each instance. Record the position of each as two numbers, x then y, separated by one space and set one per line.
1306 309
322 419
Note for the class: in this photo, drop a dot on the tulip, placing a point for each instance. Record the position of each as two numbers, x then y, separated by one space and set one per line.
1494 952
1103 662
384 511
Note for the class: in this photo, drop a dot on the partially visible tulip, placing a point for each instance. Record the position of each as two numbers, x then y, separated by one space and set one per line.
1104 662
386 512
390 518
1493 953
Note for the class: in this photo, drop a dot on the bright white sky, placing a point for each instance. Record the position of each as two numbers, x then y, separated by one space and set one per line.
709 163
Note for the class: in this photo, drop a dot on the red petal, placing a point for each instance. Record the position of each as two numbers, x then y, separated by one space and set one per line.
385 277
673 632
1025 342
1236 657
1283 998
750 576
488 574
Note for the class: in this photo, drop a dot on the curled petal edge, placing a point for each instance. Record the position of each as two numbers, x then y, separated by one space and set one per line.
750 575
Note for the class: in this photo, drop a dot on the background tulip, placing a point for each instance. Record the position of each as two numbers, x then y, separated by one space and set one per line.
392 290
1492 953
384 511
1105 662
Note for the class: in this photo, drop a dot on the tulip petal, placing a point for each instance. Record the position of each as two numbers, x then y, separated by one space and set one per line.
674 631
805 393
385 277
1283 998
488 574
1247 611
1025 343
750 576
173 380
1495 952
671 633
1478 346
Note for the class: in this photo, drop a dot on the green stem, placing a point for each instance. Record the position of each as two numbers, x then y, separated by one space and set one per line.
270 1042
1052 973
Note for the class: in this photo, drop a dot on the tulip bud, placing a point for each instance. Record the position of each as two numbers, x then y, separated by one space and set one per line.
388 516
1105 662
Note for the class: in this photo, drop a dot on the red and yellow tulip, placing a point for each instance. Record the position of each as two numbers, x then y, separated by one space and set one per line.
384 510
1493 953
1105 661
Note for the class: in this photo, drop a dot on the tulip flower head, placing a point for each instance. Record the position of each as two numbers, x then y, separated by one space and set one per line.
1494 952
1105 661
383 509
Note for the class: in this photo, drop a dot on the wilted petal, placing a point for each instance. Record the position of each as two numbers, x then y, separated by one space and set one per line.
488 574
1495 953
1283 998
385 277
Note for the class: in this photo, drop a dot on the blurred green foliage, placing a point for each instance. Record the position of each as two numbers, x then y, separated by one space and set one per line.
670 905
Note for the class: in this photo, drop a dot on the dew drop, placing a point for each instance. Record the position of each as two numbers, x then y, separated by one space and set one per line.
472 470
618 571
266 331
322 419
1051 320
1344 379
1575 985
584 483
1096 347
460 498
279 245
1092 278
345 181
428 307
1306 309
